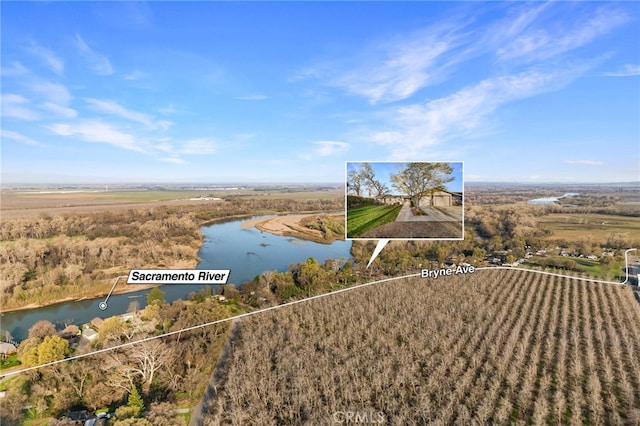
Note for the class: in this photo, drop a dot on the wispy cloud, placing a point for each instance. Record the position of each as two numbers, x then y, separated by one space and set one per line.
395 69
398 68
325 149
16 106
173 160
14 70
113 108
7 134
168 110
254 97
545 38
54 98
134 75
417 126
48 57
59 110
98 61
198 146
585 162
627 71
53 92
98 131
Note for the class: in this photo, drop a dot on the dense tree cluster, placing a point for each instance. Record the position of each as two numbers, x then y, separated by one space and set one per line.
300 280
496 347
148 374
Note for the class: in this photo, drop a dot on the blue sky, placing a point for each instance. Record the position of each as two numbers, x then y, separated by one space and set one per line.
282 92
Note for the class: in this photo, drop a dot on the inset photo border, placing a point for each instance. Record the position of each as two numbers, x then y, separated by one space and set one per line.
404 200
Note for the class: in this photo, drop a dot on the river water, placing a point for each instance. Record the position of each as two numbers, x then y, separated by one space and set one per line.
246 252
551 200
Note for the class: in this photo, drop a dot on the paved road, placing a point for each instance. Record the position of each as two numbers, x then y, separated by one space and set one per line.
634 271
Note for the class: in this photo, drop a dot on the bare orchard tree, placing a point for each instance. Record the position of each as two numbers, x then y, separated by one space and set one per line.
418 180
355 183
365 179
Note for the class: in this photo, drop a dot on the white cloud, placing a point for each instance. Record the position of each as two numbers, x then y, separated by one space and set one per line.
585 162
16 106
173 160
7 134
99 62
163 124
16 69
53 98
98 131
198 146
548 39
51 92
404 72
168 110
418 126
59 110
394 69
254 97
398 66
325 149
134 75
627 71
50 59
113 108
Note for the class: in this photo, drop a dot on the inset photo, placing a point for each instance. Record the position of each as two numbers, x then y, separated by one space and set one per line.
404 200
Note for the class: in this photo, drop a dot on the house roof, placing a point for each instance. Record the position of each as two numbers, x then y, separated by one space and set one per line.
7 348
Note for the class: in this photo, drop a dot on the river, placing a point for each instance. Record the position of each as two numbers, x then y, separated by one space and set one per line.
551 200
246 252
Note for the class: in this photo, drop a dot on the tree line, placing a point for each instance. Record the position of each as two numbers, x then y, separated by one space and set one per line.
415 180
140 383
48 258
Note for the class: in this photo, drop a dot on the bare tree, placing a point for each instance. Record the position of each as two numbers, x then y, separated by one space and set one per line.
420 179
149 357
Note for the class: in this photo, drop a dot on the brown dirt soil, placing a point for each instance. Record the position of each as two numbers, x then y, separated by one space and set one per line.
416 230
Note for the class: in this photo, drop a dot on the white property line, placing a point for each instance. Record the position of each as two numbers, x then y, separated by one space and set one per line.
284 305
195 327
626 262
626 278
488 268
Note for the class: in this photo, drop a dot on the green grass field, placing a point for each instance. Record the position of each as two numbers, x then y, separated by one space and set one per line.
363 219
8 362
592 268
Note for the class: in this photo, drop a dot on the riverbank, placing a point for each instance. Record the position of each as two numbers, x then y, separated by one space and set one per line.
120 289
101 289
295 225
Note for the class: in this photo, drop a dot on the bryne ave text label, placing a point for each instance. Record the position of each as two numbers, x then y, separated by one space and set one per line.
178 276
435 273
